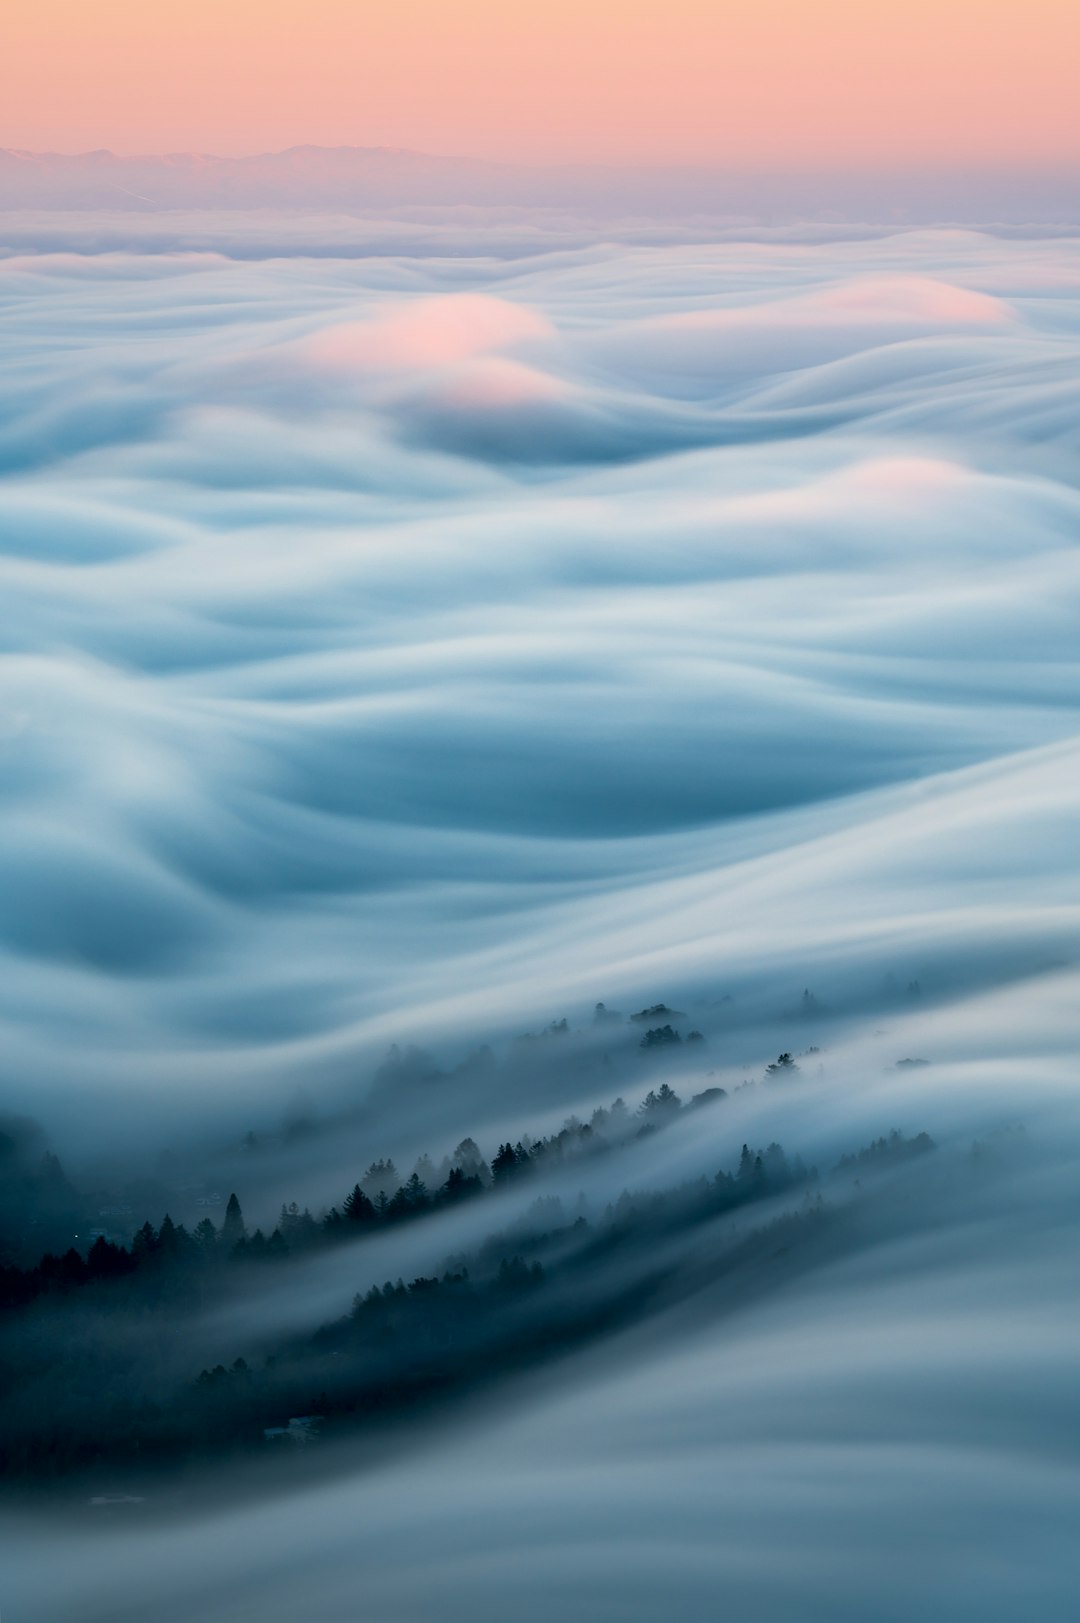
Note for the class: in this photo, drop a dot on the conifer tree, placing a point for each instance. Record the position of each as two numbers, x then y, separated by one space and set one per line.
233 1228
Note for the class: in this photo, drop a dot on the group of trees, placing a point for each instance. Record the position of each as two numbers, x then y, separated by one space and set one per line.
95 1375
885 1152
378 1199
548 1284
153 1253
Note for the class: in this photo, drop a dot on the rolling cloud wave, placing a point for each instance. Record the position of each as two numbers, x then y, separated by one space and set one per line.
417 646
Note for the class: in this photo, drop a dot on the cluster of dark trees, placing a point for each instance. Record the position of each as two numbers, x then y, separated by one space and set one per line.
152 1253
376 1200
885 1152
93 1377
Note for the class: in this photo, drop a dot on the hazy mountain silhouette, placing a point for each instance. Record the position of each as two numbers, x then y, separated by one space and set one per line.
362 178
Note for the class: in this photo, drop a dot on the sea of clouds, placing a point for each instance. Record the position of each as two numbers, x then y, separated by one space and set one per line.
422 644
434 644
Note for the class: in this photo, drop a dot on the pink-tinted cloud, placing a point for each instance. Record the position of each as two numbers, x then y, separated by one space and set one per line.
703 348
884 301
429 333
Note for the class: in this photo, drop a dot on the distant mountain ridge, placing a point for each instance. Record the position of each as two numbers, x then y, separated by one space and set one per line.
301 176
358 180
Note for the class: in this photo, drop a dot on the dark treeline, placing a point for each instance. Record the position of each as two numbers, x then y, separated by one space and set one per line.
376 1201
95 1377
885 1152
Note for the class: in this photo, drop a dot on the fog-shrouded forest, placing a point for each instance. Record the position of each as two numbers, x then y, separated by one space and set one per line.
95 1339
539 911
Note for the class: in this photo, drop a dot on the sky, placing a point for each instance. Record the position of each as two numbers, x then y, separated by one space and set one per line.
773 84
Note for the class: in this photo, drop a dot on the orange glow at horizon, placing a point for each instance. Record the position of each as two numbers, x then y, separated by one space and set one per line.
741 83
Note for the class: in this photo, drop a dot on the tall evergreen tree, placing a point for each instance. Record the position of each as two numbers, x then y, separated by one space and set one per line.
144 1245
416 1193
357 1208
458 1186
504 1164
233 1229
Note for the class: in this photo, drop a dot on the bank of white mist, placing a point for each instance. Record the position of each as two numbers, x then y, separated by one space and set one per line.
421 647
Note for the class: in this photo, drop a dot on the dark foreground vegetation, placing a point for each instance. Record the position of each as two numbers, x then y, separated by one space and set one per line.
377 1202
100 1352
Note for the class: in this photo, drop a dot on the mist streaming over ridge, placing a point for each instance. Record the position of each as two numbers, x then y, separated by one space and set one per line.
415 646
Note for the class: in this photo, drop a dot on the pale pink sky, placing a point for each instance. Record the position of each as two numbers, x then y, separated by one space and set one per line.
738 82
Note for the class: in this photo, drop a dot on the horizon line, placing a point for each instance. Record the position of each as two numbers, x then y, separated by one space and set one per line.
982 167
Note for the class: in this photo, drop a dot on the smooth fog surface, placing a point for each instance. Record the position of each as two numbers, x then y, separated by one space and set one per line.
406 645
422 648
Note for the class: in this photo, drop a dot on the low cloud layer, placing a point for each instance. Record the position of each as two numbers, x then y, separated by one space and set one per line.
377 629
409 645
